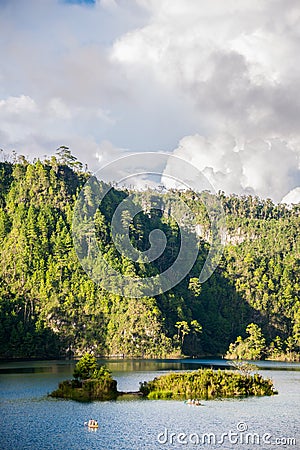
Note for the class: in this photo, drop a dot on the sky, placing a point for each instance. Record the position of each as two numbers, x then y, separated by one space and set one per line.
216 83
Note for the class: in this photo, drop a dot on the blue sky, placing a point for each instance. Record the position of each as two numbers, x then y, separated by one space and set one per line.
213 82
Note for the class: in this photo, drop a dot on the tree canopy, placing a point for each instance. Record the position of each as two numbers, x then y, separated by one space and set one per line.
49 307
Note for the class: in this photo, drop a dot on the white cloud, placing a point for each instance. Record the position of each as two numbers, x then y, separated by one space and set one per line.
106 152
16 106
218 77
261 167
235 63
59 109
293 197
236 68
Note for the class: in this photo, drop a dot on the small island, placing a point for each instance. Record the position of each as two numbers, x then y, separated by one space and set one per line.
91 382
207 384
94 382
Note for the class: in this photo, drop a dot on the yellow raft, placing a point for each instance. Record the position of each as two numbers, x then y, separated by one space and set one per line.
92 424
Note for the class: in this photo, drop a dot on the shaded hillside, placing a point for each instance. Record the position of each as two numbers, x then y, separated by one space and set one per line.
49 307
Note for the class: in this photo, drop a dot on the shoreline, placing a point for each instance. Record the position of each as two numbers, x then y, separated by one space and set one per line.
183 359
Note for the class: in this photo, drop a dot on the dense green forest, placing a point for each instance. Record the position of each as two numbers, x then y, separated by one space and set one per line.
50 308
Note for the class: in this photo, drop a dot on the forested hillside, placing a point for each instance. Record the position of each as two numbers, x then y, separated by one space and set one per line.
50 308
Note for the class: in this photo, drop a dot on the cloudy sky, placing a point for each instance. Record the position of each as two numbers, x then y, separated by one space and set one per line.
214 82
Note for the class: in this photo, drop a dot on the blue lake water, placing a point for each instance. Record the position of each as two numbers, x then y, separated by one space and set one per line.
31 420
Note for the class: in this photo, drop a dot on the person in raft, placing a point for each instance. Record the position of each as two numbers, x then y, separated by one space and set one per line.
91 423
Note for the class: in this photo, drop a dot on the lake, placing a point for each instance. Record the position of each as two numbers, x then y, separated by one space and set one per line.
31 420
